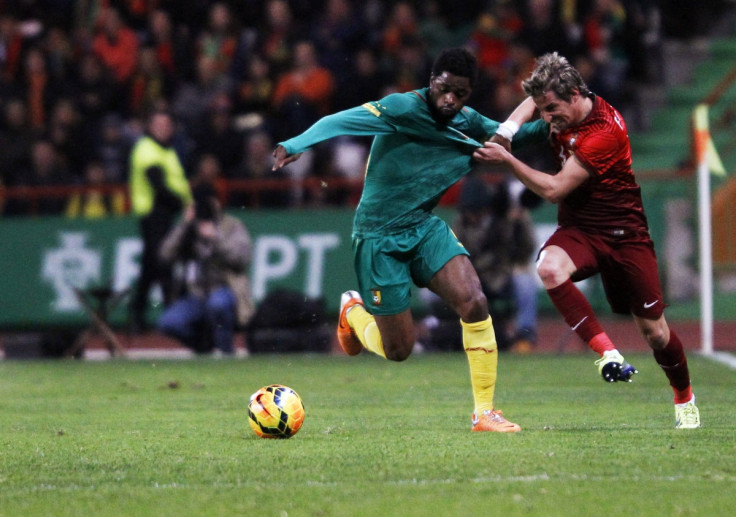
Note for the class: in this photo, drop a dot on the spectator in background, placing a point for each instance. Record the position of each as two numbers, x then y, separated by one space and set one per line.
220 39
112 148
400 28
116 45
364 80
303 93
16 137
94 92
12 43
278 35
504 98
193 99
172 47
65 130
216 134
96 201
45 170
158 191
256 164
520 64
207 173
433 29
603 36
336 35
411 66
59 51
493 32
524 278
254 92
37 88
544 30
213 250
136 12
149 85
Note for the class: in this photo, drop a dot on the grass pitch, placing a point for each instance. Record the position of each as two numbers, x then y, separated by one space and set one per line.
170 438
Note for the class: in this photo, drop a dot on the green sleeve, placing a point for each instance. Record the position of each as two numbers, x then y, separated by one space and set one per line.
359 121
531 133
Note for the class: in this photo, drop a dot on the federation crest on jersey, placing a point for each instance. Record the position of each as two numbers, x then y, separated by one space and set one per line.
376 296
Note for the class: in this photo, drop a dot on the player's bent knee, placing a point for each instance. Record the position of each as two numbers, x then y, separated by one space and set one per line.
657 340
474 308
398 353
549 273
656 337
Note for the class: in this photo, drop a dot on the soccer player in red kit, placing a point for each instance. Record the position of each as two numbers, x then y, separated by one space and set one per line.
602 227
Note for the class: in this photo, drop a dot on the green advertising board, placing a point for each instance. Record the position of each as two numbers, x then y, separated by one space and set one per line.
43 259
303 250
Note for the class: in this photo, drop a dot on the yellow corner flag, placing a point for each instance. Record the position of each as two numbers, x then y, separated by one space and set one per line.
705 151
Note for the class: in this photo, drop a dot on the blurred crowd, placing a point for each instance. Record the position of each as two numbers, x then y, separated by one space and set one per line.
78 77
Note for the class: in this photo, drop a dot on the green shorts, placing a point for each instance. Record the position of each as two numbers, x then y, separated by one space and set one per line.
387 265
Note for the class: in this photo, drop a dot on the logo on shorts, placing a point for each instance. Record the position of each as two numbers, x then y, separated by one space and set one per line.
650 304
376 297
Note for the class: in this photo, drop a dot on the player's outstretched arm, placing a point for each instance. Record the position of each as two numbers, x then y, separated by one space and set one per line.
283 158
358 121
553 188
519 119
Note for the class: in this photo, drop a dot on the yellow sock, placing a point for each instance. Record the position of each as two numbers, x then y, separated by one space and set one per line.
479 341
364 325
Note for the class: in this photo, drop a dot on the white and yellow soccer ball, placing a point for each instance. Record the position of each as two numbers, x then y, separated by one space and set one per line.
275 411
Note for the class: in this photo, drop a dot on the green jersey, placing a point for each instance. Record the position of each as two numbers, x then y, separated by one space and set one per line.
414 158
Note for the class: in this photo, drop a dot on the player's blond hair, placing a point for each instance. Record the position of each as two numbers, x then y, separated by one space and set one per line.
554 73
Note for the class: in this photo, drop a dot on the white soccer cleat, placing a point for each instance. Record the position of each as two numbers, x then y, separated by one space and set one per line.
687 415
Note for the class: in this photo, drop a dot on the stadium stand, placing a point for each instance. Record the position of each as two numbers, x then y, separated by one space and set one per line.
82 75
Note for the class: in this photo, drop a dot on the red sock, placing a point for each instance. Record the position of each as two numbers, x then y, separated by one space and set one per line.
576 310
601 343
673 362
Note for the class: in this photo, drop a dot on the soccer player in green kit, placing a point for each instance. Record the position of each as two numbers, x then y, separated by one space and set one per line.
423 144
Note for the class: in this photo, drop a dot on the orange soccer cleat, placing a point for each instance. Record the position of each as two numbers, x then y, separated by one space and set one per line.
493 421
345 335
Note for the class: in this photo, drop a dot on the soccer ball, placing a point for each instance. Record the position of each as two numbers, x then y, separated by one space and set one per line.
275 411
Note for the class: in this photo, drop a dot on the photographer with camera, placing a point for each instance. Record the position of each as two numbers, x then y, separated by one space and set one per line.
210 251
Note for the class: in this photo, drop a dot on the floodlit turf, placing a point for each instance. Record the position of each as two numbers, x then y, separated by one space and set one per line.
170 438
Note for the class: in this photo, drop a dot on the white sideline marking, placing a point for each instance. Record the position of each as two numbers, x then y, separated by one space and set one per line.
723 358
141 353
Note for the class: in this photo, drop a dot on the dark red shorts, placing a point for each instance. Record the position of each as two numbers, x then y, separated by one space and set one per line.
627 265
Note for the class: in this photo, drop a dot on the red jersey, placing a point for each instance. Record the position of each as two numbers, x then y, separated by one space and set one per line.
609 201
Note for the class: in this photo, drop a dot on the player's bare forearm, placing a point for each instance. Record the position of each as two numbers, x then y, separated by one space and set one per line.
523 112
538 182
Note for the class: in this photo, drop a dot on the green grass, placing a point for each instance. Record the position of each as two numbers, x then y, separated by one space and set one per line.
170 438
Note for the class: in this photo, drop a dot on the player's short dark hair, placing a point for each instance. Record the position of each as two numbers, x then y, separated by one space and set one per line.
457 61
554 73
